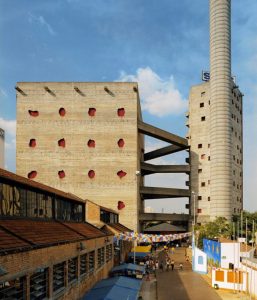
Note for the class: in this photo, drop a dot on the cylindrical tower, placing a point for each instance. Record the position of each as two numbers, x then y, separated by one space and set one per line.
220 109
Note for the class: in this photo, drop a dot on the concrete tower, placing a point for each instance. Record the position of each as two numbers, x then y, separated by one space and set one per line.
220 109
215 129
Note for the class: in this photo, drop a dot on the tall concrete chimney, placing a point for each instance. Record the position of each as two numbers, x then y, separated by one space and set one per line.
220 109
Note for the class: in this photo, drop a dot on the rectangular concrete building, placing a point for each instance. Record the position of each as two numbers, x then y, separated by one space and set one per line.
201 151
83 138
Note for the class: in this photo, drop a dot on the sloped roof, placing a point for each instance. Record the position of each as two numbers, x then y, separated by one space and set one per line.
21 234
118 227
40 186
165 227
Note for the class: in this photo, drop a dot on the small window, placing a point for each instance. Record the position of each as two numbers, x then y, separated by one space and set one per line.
202 104
202 94
199 210
58 276
100 257
199 197
91 261
91 111
83 264
200 170
234 172
232 129
203 118
32 174
91 174
121 173
33 113
32 143
72 269
39 285
200 260
209 158
202 156
209 198
91 143
121 143
200 145
203 183
62 112
234 184
61 174
234 158
209 145
121 112
61 143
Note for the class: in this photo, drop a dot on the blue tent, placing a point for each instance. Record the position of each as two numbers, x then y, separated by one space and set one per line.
116 288
129 267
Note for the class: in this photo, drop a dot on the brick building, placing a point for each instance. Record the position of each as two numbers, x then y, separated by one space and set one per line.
47 249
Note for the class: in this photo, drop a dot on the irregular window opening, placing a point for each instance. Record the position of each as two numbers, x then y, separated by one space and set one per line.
121 173
121 143
32 174
32 143
61 143
91 143
33 113
61 174
91 111
62 112
121 205
121 112
91 174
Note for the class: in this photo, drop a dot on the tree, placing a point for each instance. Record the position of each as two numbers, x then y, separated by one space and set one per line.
212 230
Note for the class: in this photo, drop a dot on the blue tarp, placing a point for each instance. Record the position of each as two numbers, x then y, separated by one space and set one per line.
139 254
116 288
129 267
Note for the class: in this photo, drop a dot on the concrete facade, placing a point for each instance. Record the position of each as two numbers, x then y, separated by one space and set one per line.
83 138
215 128
201 145
2 141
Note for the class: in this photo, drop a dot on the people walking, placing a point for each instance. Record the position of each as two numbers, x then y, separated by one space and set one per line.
181 266
172 263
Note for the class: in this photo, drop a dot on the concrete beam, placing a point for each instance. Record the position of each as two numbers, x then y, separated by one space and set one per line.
163 151
159 192
163 217
161 134
150 168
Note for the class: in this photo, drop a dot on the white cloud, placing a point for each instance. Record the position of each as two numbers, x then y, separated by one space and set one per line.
9 126
41 20
159 97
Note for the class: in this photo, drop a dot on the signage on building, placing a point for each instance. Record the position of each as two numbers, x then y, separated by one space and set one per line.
206 76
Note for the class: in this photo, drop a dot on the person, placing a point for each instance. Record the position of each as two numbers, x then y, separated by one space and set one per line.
172 250
181 266
168 264
172 263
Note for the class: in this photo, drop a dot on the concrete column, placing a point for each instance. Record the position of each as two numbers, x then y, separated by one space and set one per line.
220 109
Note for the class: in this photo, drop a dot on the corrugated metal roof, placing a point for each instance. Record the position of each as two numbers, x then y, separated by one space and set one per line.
37 185
9 241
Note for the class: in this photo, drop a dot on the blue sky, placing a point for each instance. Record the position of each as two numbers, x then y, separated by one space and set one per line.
164 44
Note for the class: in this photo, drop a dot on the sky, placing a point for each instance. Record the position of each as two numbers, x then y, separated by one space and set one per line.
164 45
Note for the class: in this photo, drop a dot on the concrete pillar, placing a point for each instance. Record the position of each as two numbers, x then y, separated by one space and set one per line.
220 109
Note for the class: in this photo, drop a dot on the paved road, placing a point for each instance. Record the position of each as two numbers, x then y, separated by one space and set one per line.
183 285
